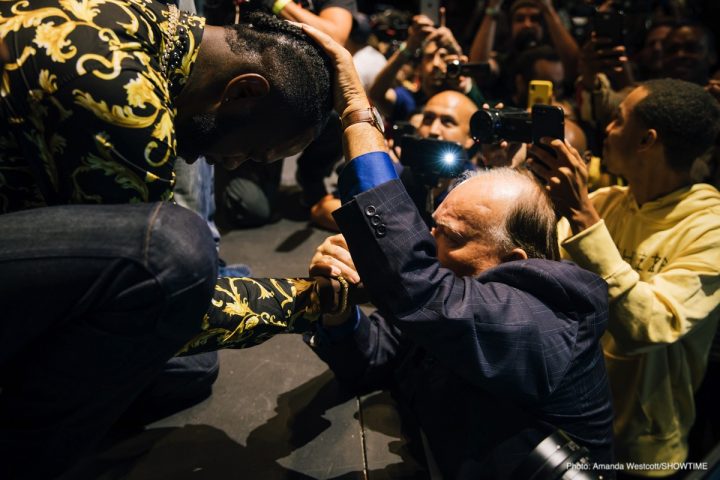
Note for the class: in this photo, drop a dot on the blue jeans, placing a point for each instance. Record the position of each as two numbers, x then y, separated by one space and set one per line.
93 302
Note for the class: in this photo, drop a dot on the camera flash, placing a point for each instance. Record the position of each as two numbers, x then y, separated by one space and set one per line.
449 158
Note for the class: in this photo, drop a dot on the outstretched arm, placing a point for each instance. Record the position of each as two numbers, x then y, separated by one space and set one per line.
482 46
381 92
564 43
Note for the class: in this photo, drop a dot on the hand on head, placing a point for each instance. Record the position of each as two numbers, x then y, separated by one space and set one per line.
349 93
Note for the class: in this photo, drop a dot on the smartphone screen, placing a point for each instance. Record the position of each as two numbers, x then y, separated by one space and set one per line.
431 9
547 121
609 25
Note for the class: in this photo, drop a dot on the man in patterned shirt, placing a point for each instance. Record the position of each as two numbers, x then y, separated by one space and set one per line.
101 281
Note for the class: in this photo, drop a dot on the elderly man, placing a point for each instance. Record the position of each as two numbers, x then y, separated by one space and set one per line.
657 244
484 337
96 102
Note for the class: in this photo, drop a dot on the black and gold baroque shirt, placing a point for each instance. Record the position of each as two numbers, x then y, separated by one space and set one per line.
86 97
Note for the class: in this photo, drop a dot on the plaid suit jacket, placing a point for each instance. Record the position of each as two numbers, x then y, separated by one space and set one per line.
482 362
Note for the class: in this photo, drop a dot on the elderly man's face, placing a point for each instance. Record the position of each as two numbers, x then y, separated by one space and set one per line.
446 116
467 222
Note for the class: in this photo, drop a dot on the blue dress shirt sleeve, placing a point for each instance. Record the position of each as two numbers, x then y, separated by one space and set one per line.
337 333
364 173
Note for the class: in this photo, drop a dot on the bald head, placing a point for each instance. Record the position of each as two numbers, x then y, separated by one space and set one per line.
446 116
493 217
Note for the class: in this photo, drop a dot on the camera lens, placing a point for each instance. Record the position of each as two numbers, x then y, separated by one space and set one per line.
452 69
482 126
556 457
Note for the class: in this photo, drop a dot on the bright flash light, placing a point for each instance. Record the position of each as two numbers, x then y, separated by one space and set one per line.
449 158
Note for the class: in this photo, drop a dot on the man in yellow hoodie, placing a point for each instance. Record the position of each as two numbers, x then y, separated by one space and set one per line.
657 244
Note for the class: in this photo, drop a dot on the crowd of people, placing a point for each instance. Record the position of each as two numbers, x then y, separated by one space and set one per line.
566 283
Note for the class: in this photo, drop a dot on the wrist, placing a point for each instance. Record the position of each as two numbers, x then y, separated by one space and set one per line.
406 52
279 5
583 218
354 105
492 12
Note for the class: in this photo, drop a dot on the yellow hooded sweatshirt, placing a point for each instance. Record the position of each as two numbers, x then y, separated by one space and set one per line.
662 264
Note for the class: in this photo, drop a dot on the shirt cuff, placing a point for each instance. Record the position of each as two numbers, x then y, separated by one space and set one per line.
334 334
594 249
364 173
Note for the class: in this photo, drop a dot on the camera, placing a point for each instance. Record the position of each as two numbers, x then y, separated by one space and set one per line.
456 68
517 125
431 159
557 457
492 125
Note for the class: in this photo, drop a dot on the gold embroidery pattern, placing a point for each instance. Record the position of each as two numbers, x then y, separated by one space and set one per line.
83 69
247 311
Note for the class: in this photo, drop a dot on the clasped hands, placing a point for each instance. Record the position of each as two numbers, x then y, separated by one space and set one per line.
332 260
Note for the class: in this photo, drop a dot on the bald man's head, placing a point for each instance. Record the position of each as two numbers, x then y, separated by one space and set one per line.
493 217
446 116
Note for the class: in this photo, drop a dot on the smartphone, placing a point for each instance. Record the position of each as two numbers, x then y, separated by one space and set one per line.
539 91
431 9
610 25
547 121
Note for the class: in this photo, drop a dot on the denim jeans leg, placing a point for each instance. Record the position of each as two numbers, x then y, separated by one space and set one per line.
93 301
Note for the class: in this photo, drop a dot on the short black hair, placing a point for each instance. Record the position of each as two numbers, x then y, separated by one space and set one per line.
299 72
685 116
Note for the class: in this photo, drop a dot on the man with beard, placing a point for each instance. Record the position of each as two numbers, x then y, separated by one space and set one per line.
101 278
529 22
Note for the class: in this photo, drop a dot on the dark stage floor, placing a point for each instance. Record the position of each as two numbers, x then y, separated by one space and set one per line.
275 412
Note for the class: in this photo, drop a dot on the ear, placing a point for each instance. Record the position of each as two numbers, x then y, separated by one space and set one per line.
245 86
515 254
649 139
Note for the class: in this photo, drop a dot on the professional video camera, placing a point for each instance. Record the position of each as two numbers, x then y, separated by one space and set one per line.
427 161
431 159
516 125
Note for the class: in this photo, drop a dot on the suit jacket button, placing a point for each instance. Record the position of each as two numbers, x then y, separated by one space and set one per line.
370 210
375 220
381 230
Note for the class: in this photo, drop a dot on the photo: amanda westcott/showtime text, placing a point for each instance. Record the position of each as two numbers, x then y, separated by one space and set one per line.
632 466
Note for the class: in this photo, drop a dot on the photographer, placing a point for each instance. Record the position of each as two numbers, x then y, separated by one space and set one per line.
657 244
529 21
434 48
486 339
102 279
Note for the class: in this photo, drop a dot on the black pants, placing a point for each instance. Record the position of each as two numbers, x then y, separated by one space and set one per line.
93 302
